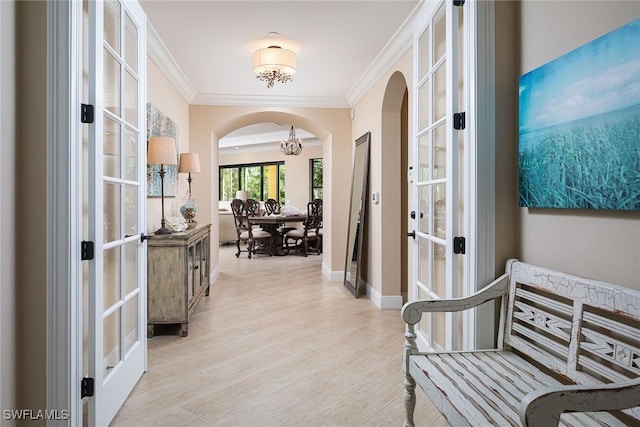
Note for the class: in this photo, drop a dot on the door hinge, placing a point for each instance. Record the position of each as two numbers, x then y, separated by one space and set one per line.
458 2
86 113
86 250
86 387
459 121
459 244
413 215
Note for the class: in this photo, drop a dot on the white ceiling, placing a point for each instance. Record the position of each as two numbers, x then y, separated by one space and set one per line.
208 48
262 136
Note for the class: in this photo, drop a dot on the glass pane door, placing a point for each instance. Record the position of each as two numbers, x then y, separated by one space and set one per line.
439 174
116 202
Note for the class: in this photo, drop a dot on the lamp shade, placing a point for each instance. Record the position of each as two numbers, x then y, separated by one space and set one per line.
189 162
161 150
274 58
242 194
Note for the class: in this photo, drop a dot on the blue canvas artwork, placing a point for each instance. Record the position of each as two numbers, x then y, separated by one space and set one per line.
159 124
579 143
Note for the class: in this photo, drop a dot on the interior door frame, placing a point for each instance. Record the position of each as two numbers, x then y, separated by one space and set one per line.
64 209
482 165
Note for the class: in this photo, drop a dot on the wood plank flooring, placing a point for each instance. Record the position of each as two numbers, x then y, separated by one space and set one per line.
276 344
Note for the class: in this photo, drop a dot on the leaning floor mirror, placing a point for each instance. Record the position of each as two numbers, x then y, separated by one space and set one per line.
359 179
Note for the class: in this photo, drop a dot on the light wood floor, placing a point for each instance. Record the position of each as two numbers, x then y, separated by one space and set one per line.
276 344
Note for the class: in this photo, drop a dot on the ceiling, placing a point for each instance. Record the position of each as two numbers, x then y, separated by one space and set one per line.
206 48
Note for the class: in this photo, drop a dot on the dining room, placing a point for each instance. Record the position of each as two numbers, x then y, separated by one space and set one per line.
275 170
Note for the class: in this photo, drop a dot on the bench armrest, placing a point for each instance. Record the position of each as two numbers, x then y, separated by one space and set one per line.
543 407
412 311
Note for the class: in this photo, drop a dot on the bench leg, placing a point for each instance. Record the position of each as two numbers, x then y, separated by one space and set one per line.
409 399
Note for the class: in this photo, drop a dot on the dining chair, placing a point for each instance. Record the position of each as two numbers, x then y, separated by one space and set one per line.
309 233
273 207
318 206
245 231
253 206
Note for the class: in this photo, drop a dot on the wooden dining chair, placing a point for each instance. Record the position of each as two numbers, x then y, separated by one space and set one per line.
245 231
309 233
273 207
253 207
318 206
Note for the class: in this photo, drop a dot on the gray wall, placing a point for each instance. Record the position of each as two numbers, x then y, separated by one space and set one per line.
7 201
602 245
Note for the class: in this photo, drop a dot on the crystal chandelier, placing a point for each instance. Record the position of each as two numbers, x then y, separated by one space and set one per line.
274 64
291 145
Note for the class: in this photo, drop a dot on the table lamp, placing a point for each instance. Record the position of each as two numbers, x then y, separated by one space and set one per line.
162 151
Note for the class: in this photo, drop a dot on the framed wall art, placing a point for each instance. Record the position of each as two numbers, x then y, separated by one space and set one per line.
158 124
579 144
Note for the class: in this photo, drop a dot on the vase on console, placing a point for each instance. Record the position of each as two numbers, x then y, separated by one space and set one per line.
188 211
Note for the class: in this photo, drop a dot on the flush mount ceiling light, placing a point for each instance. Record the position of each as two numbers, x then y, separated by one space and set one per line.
292 145
274 63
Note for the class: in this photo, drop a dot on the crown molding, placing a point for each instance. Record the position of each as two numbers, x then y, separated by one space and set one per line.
160 55
270 101
397 46
391 53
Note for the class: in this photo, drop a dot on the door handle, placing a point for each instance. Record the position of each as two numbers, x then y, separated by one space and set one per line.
412 234
144 237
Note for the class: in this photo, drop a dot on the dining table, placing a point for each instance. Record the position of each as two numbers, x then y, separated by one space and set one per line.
270 224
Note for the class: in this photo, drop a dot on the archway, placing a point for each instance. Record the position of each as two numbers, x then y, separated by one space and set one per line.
331 126
395 162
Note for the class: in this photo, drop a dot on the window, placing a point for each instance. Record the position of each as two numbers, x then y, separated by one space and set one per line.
316 178
261 180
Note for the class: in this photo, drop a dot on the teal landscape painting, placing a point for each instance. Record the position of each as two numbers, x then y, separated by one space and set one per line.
579 143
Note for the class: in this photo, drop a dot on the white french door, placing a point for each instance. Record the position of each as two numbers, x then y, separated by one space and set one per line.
438 175
116 204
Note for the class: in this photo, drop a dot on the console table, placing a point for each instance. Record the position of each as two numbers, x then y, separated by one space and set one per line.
178 276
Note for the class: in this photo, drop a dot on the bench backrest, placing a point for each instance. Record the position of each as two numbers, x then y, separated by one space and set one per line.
585 330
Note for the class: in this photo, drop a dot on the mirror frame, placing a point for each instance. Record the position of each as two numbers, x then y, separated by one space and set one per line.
353 284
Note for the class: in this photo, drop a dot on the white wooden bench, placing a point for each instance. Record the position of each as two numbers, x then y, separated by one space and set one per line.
568 353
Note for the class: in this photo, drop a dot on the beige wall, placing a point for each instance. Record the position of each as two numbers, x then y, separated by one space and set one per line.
385 177
167 99
507 55
603 245
332 126
31 291
297 175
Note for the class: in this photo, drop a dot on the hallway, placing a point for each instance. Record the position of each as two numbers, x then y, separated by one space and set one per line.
276 344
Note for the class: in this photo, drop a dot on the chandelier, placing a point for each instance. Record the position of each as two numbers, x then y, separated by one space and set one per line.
274 64
291 145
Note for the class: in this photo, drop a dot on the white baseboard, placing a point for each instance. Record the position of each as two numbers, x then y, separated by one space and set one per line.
334 276
384 302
